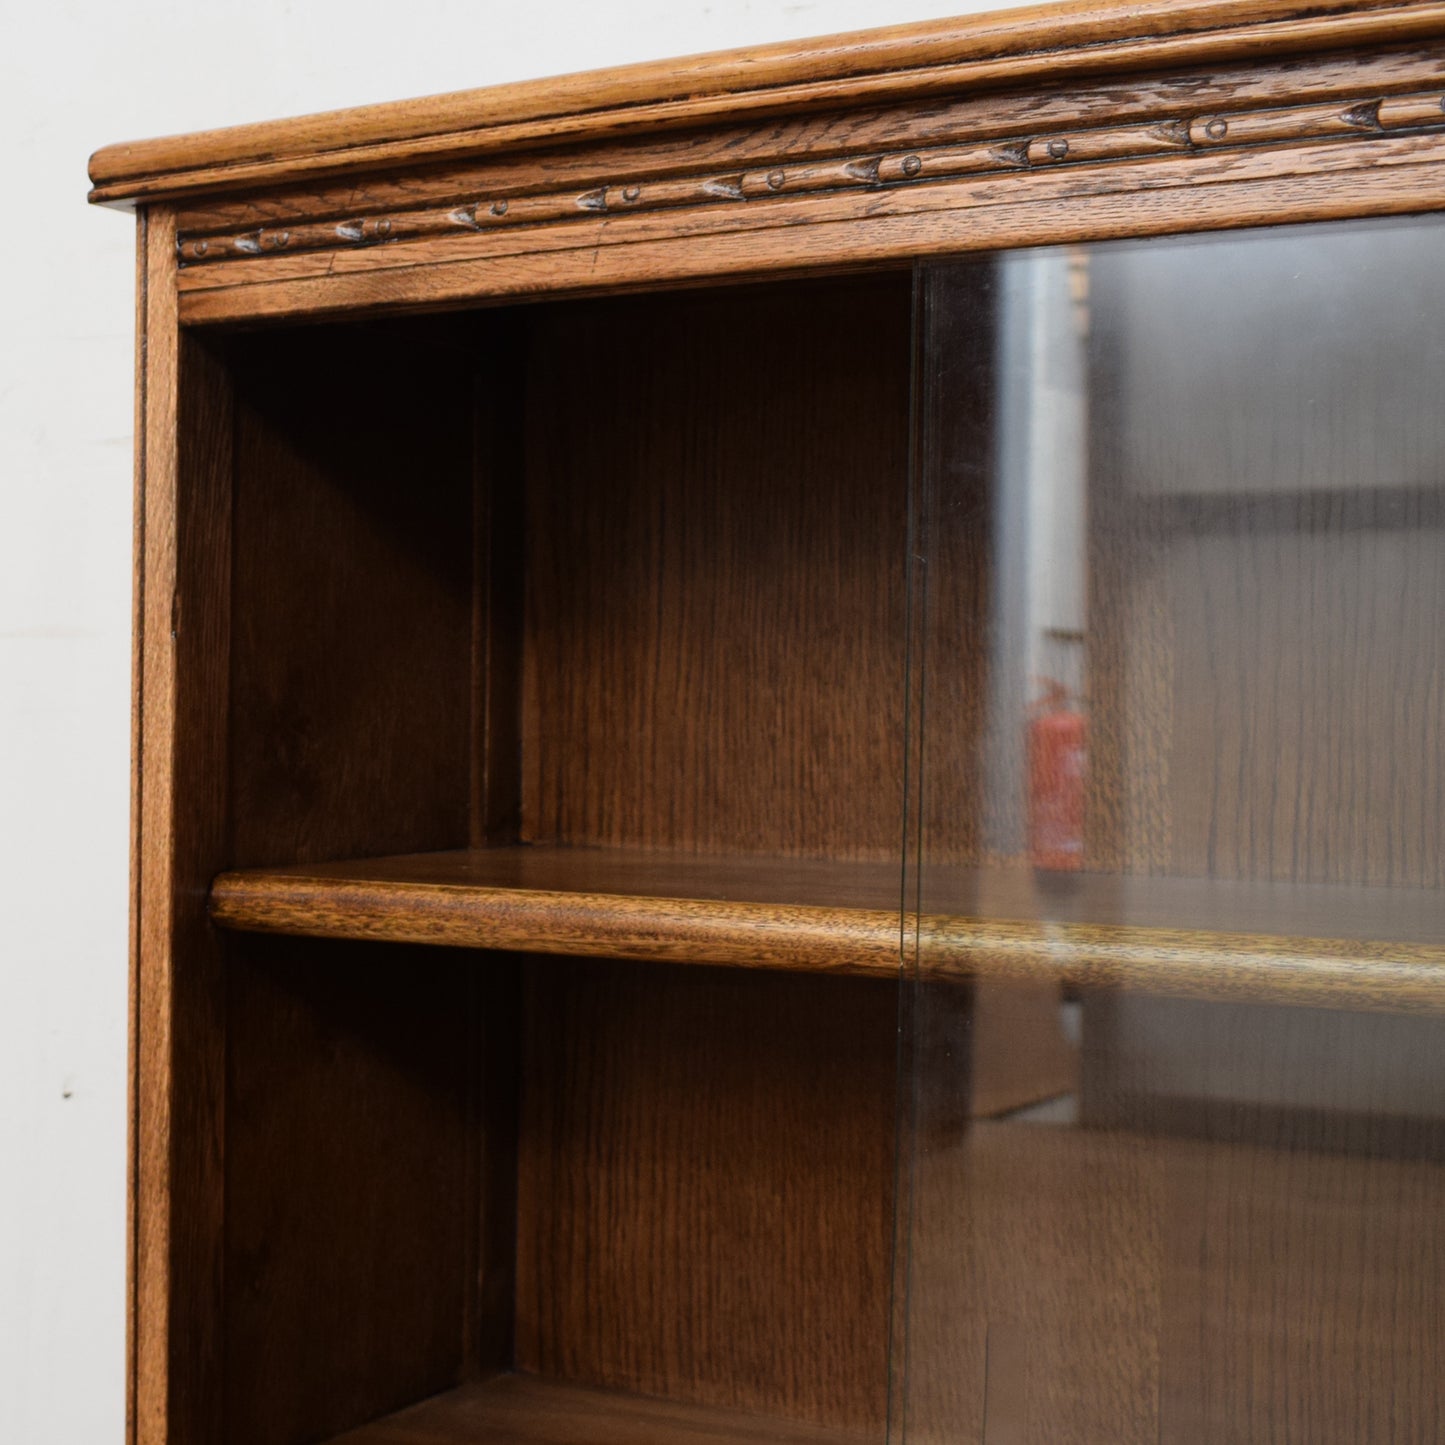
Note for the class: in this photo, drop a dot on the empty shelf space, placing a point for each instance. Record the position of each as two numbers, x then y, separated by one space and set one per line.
525 1410
1308 944
745 912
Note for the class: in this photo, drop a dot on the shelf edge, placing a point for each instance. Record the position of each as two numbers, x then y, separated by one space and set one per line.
798 938
1222 967
1212 966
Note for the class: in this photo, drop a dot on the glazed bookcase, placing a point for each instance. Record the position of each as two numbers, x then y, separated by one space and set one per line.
615 957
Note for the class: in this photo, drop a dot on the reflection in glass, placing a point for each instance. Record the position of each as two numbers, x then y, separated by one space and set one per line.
1177 1149
1037 728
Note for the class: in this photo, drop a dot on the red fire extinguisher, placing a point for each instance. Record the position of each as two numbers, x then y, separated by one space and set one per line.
1058 765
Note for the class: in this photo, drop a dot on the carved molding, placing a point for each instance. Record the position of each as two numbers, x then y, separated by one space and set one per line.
1205 132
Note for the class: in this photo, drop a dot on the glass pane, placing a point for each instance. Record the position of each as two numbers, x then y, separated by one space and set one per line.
1176 1159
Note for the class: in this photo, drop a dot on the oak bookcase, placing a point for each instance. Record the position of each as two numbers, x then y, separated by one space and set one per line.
537 531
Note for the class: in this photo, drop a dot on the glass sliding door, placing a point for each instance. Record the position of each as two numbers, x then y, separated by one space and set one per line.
1174 1162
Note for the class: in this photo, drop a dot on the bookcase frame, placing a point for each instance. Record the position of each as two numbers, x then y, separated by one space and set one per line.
1061 124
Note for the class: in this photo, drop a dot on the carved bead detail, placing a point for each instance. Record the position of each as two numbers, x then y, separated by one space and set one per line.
947 160
370 228
1012 153
1366 116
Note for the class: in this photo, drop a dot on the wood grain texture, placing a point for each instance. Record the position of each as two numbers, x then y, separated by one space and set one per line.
953 518
527 1410
566 919
990 196
1103 1278
1162 196
1261 656
133 950
715 558
351 700
352 1198
178 1120
1329 765
154 803
706 1181
1266 582
1024 47
498 462
1204 127
635 574
489 1275
1181 937
871 131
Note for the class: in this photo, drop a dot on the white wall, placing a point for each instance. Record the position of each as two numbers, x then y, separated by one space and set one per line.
75 74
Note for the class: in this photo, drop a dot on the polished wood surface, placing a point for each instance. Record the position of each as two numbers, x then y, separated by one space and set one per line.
595 636
1169 120
1022 47
792 933
527 1410
1329 80
183 544
1198 938
641 873
706 1186
1386 175
1221 118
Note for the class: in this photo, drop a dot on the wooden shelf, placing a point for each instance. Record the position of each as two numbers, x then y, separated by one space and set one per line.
1372 948
1218 939
744 912
525 1410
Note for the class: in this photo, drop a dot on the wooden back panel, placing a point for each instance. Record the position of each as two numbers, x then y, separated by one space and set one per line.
706 1187
715 571
352 619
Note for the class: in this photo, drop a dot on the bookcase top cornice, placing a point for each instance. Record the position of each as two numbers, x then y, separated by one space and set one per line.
973 54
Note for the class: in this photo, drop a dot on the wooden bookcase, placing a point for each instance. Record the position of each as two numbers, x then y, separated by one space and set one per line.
527 485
